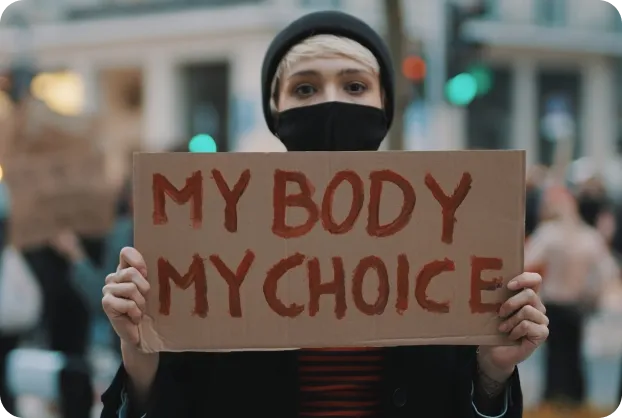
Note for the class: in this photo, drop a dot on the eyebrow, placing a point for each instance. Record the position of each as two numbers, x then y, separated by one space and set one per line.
345 71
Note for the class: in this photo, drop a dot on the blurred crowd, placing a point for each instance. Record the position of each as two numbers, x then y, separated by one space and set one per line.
46 351
573 238
51 319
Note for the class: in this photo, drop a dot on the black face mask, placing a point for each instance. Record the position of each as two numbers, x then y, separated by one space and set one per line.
332 126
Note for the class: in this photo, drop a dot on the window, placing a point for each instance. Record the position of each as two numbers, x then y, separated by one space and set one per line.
208 102
489 117
551 12
558 89
617 20
492 9
321 4
115 8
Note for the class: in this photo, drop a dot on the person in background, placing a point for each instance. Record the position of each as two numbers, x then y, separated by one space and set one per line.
67 321
328 85
87 277
578 266
616 241
535 180
616 248
8 342
595 207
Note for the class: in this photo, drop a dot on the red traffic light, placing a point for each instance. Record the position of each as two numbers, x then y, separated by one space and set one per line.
414 68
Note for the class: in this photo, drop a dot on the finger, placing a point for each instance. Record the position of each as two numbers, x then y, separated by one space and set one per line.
526 280
526 313
113 278
116 307
515 303
530 330
126 291
130 257
130 275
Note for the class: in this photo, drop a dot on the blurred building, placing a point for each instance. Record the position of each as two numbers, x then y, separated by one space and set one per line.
160 71
546 54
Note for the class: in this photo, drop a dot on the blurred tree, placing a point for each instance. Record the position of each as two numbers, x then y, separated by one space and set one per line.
398 45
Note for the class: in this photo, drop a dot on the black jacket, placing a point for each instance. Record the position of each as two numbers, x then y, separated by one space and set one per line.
425 381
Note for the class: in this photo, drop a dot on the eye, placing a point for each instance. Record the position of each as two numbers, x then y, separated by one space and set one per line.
356 87
304 90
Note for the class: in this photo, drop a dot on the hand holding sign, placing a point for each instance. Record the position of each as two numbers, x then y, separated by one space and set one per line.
526 321
124 295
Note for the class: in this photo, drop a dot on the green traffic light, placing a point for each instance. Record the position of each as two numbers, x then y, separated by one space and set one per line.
202 143
483 77
462 89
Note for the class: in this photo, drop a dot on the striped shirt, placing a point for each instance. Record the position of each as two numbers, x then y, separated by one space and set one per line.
340 382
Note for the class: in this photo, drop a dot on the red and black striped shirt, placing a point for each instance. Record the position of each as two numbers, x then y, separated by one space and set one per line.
340 382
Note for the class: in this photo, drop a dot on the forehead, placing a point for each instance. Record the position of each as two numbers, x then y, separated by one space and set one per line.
326 65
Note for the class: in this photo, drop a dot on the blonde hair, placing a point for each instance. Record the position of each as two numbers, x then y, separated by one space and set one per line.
322 46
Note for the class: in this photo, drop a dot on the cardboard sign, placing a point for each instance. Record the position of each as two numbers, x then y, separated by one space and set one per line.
54 191
293 250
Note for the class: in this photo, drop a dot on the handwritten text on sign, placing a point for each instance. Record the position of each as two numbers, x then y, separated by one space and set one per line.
334 238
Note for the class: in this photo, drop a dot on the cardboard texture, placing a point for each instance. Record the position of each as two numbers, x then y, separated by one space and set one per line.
7 128
393 248
55 175
32 128
54 191
37 120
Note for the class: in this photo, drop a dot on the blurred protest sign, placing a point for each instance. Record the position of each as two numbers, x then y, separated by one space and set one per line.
37 129
289 250
56 177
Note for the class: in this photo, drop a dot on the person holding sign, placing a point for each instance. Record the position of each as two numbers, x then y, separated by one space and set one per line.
328 85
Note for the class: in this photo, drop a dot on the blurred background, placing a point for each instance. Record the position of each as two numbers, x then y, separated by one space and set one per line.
155 75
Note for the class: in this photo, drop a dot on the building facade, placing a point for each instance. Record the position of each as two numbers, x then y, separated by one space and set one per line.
160 71
543 52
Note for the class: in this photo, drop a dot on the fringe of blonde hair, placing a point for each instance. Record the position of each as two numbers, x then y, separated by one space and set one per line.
322 46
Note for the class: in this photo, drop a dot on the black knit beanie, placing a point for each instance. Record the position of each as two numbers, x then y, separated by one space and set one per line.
326 23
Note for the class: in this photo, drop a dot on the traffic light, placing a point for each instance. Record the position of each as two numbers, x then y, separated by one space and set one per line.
414 69
202 143
461 89
483 77
465 78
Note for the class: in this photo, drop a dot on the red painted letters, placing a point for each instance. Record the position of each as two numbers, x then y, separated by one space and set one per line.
449 204
427 273
232 197
195 275
270 286
343 280
282 200
366 264
478 285
234 280
374 228
318 288
358 195
193 190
